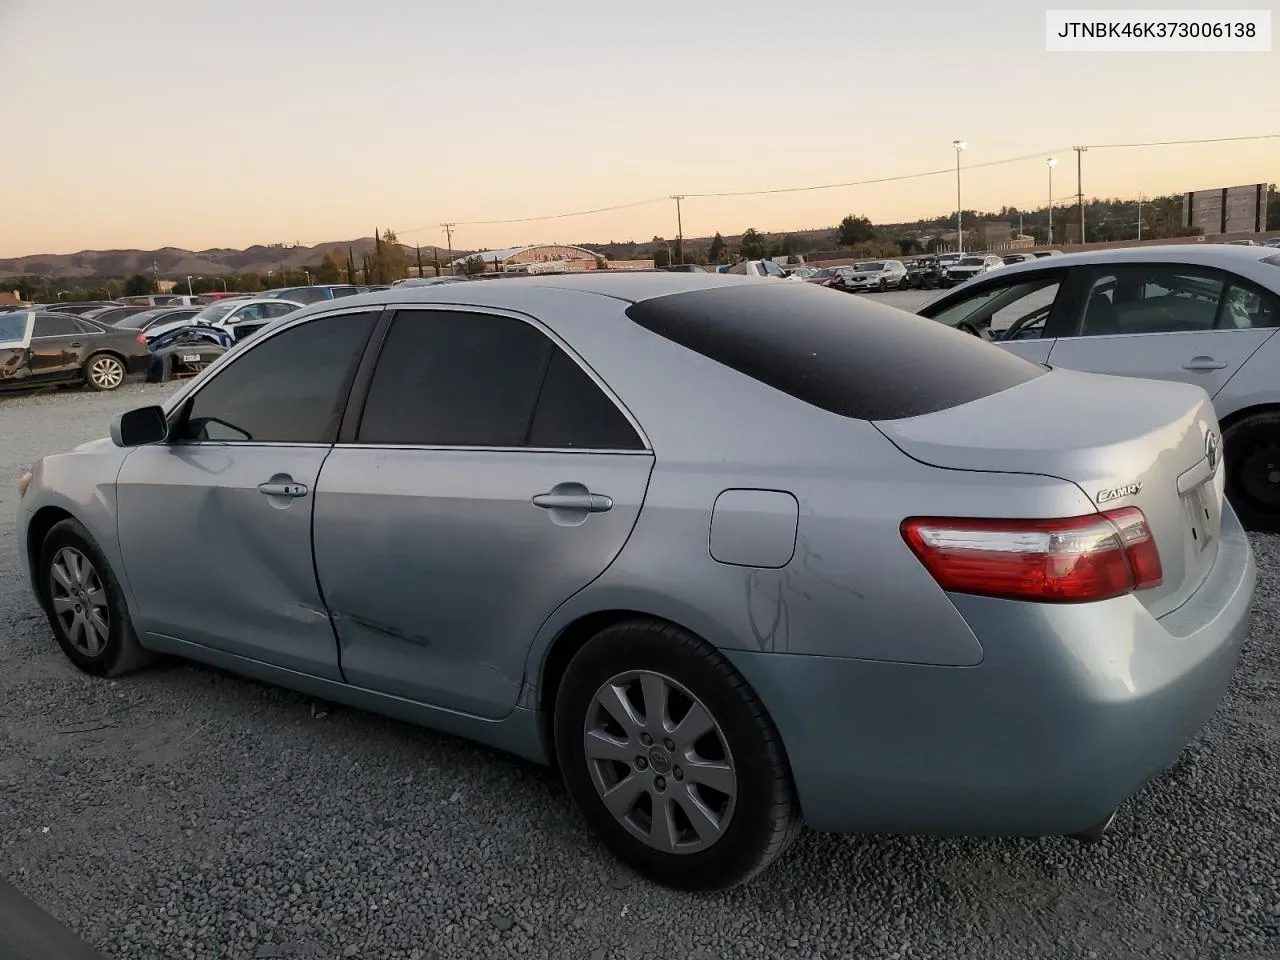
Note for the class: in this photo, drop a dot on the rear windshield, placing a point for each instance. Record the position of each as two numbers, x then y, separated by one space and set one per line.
843 354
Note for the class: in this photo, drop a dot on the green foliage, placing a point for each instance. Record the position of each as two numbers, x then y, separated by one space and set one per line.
716 252
753 245
855 230
473 265
139 285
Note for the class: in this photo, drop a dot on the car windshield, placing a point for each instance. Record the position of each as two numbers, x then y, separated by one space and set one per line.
216 311
972 261
876 267
13 327
136 321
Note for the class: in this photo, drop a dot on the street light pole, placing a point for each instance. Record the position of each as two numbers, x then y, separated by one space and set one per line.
960 146
189 293
1051 163
1080 186
448 232
679 226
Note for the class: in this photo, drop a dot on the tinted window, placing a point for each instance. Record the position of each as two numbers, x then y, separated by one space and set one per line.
1150 298
455 379
277 309
13 327
289 389
55 325
342 291
574 413
844 354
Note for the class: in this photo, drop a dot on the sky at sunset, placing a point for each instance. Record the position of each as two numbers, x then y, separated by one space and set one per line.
142 123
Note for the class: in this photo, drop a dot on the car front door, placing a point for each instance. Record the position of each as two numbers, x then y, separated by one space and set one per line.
215 524
490 479
15 347
1164 321
57 345
1018 313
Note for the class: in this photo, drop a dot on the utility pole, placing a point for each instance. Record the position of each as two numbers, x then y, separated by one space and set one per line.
448 232
679 226
1080 151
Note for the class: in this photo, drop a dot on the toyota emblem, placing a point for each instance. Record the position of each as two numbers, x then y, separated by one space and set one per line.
1212 450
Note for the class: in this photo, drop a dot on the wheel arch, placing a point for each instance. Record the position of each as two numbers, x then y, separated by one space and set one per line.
1235 416
42 521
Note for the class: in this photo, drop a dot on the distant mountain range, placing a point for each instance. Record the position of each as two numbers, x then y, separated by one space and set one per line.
175 263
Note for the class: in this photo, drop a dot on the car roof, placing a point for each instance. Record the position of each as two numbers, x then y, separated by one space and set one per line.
1225 256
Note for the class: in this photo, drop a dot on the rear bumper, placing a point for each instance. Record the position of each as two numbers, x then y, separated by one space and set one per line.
1072 710
138 363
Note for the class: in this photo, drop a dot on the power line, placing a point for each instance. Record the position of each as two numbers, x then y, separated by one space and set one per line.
836 186
1178 143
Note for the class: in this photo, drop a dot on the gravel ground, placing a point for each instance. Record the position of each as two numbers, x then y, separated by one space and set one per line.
183 813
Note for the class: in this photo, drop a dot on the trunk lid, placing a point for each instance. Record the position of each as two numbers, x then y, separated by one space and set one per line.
1124 442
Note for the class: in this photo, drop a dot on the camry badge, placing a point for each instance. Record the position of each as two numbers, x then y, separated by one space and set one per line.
1116 493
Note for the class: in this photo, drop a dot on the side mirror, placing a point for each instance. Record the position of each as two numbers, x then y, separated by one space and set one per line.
135 428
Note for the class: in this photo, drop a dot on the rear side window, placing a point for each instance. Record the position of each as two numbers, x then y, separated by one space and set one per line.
840 353
480 380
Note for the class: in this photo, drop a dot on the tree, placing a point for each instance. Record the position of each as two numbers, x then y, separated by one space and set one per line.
716 252
418 250
393 262
753 244
329 270
661 256
854 230
602 263
473 264
351 266
368 267
139 285
909 245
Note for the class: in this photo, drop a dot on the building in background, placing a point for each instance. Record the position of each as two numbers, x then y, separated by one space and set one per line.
546 258
1227 209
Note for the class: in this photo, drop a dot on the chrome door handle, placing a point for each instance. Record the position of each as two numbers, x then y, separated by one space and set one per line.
1203 363
590 502
283 489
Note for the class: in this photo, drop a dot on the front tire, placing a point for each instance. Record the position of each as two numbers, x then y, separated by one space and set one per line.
85 605
1252 462
672 759
103 372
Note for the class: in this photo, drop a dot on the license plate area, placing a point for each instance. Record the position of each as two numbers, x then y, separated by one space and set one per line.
190 358
1204 515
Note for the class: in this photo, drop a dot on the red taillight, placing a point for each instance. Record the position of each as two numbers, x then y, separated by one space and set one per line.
140 338
1072 560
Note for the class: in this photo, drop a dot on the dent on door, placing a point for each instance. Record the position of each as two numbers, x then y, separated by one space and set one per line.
439 566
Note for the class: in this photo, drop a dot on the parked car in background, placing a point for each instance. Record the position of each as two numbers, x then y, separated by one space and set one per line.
1046 253
185 351
755 268
80 309
948 260
966 268
684 268
313 294
874 275
239 318
824 275
1010 259
161 300
1205 315
1023 659
43 348
113 315
205 299
923 273
150 318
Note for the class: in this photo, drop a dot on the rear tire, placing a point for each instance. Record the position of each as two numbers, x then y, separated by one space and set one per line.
85 605
104 372
733 781
1252 461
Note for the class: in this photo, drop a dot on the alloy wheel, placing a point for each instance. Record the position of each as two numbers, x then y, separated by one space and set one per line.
106 373
660 762
79 601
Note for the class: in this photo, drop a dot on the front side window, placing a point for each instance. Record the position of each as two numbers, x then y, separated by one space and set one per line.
291 388
13 327
1150 298
459 379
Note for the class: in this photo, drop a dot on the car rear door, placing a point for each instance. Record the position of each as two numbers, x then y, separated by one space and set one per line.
57 345
215 525
486 478
1164 321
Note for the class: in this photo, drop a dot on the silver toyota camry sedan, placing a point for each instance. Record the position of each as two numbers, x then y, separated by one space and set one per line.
735 555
